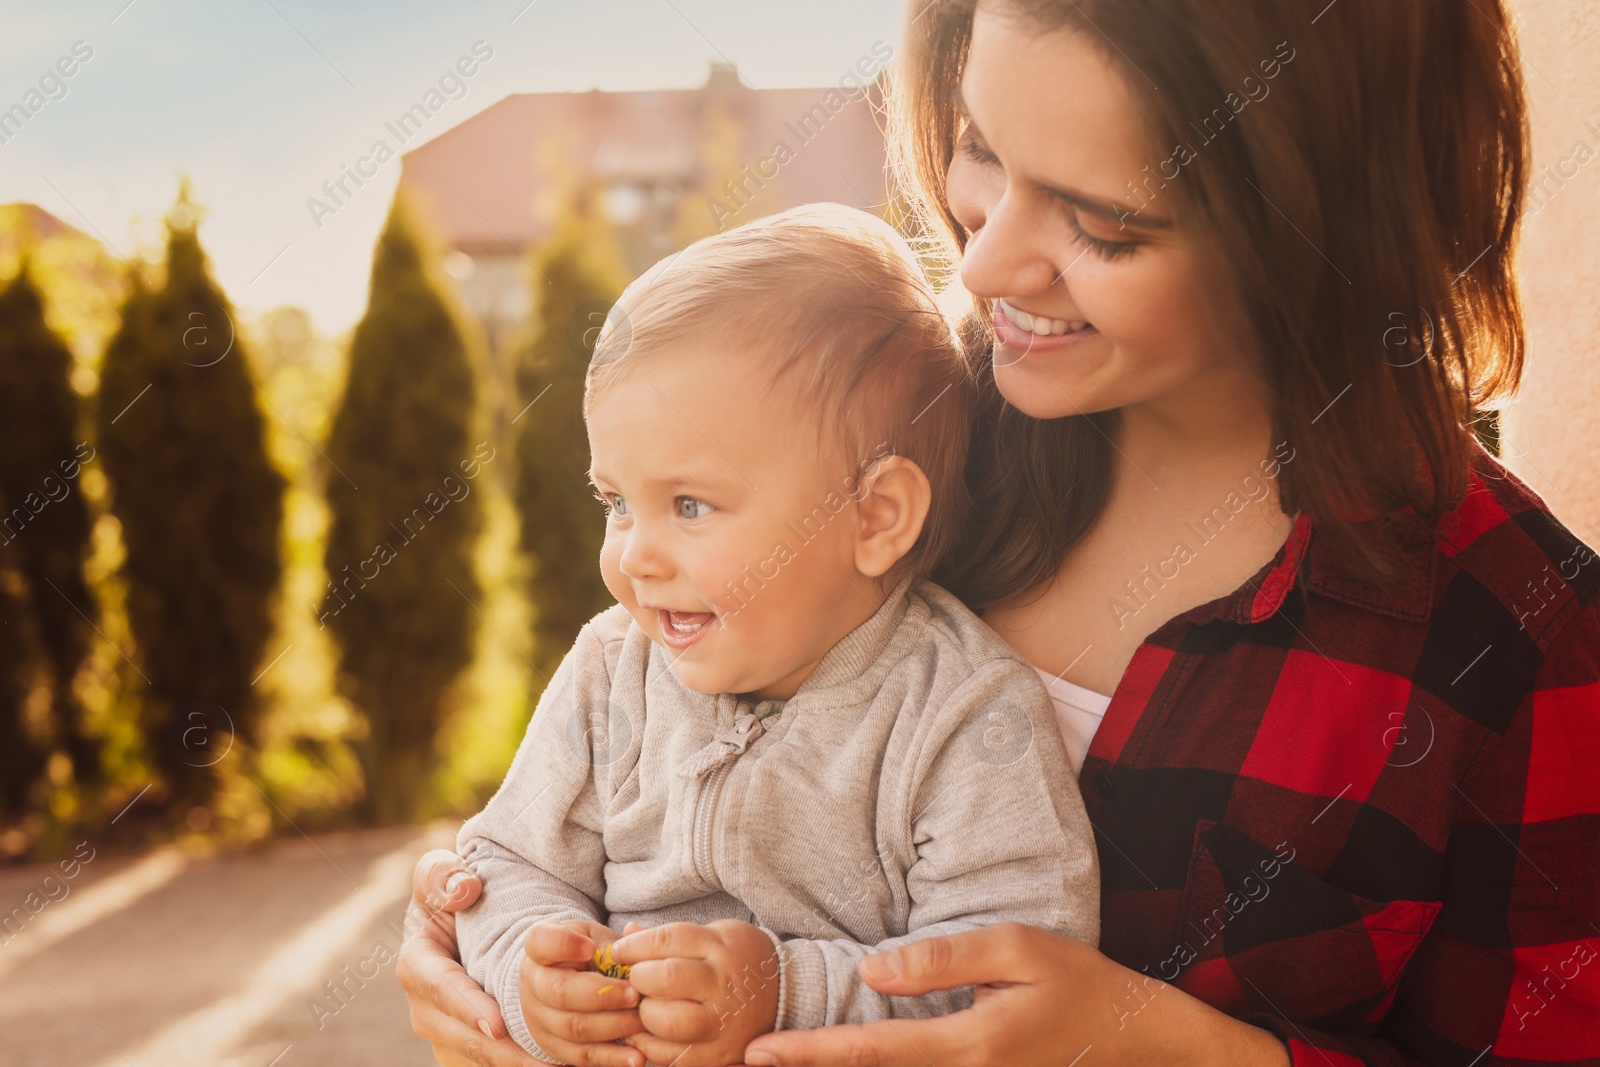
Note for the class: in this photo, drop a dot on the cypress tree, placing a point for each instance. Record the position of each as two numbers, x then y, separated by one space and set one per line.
22 751
406 516
201 507
562 526
42 451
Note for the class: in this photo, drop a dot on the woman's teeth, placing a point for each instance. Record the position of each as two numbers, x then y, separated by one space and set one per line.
1038 324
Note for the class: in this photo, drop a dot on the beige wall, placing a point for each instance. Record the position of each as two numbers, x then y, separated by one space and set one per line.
1552 430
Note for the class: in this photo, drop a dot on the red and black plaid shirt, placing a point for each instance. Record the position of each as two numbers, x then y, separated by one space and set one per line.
1368 818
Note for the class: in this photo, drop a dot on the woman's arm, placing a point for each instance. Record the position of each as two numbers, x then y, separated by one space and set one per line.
1042 999
448 1009
1509 973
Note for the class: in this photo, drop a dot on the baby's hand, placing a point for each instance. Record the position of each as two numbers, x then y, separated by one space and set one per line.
708 990
573 1011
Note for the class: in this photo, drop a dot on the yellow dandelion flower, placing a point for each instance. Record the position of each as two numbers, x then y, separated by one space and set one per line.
608 966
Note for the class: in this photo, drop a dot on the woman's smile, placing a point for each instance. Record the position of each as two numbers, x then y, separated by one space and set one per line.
1028 334
1037 323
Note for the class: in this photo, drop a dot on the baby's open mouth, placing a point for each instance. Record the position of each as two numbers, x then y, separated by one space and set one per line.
687 622
680 629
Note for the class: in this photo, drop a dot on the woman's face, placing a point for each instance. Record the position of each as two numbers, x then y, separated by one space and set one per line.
1099 304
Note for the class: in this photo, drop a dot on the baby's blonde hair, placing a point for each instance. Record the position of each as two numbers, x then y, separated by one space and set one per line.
835 299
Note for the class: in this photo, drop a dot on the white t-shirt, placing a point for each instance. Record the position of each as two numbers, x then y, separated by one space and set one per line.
1078 713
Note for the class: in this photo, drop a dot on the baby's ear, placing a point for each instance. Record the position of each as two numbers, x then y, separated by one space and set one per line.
893 505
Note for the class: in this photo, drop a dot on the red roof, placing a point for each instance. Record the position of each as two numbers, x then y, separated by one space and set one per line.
485 182
35 220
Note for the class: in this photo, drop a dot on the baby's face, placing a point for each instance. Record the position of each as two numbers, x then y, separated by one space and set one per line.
720 541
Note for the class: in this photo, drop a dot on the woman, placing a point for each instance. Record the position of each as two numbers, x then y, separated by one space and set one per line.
1249 268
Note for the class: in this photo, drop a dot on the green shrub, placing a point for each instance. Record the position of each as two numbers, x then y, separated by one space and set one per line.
42 451
201 507
22 750
406 516
562 525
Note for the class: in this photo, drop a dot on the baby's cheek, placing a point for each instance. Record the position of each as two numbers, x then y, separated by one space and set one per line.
611 573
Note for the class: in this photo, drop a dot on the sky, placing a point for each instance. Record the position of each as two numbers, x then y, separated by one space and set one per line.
261 101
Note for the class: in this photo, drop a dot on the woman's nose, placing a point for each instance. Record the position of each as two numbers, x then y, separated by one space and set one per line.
1009 254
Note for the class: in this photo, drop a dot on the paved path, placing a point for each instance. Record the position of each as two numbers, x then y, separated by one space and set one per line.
161 961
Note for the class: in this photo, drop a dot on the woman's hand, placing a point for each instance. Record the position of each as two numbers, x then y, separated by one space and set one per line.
1041 999
448 1009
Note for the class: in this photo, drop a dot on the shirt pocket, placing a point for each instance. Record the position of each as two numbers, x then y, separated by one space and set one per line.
1260 933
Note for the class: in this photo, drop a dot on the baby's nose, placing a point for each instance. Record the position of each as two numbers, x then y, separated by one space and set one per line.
644 557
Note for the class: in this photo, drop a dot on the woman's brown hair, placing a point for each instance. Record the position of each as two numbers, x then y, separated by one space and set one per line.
1360 221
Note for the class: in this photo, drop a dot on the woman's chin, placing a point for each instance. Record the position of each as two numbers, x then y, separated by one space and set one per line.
1034 391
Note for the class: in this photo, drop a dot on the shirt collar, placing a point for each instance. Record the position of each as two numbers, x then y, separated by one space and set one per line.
861 647
1307 558
1414 547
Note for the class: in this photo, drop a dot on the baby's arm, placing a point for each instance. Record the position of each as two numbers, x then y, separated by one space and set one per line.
538 850
1001 835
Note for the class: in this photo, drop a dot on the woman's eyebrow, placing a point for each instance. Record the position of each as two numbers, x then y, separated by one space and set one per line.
1110 211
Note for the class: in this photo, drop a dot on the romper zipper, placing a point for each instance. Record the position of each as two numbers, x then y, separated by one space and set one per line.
702 823
713 763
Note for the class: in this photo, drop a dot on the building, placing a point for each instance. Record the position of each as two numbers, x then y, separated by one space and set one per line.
83 281
27 222
1551 429
668 166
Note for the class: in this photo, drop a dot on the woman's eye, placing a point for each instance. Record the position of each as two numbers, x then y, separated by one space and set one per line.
1107 250
976 152
690 503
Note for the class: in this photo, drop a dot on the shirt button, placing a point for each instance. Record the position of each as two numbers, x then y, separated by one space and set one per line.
1105 785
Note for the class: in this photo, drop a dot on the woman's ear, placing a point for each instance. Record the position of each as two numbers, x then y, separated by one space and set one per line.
892 507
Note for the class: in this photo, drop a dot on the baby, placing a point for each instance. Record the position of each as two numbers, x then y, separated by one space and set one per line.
783 748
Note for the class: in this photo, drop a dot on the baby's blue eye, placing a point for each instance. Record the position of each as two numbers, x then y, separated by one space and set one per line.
691 501
606 500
